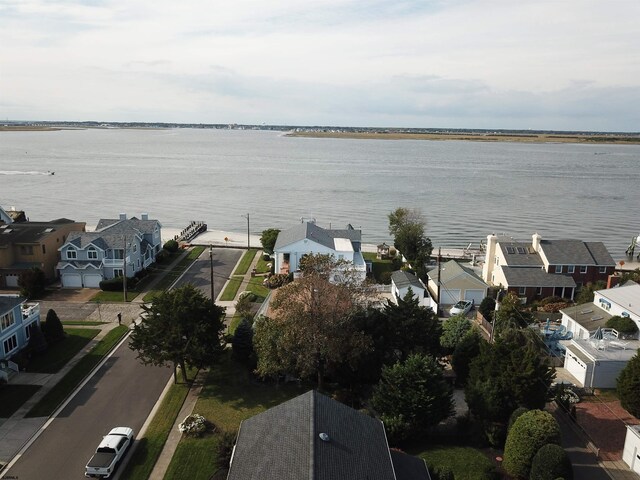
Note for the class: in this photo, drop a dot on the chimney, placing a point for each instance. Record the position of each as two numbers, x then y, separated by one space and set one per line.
536 239
123 216
144 216
487 268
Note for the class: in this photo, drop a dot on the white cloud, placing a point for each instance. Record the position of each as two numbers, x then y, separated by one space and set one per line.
544 64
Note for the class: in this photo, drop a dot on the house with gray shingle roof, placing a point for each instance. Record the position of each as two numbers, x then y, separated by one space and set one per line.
312 437
403 281
116 247
453 281
308 238
545 268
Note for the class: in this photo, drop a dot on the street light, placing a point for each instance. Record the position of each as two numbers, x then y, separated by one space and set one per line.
248 241
213 298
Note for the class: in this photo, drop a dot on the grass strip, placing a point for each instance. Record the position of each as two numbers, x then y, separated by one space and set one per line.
233 324
262 265
48 404
255 286
85 323
172 275
58 354
382 269
230 291
150 446
12 397
114 297
245 262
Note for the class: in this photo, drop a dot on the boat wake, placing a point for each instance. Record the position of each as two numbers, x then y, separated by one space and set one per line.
19 172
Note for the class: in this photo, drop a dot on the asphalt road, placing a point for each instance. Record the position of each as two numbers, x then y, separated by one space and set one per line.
122 393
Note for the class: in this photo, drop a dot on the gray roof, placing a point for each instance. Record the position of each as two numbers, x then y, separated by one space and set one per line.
535 277
122 227
576 252
451 270
110 233
29 232
283 443
316 234
519 253
9 302
402 278
588 315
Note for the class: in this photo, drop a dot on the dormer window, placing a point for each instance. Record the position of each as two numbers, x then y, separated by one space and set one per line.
558 268
72 254
92 254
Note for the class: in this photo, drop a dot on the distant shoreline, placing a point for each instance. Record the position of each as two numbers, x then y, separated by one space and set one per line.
476 137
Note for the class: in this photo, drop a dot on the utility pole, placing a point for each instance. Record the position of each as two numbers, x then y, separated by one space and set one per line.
438 283
213 297
124 270
248 236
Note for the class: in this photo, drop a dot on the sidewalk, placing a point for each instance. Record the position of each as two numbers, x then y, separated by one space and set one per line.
151 286
230 305
17 430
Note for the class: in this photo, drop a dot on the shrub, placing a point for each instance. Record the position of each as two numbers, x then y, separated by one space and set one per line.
277 280
529 433
553 307
171 246
553 299
162 256
487 306
515 415
629 386
194 425
225 447
622 324
385 278
266 257
116 284
53 330
32 282
442 472
551 462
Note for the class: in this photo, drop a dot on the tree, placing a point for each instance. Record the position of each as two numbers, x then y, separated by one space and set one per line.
244 304
453 330
53 330
243 342
551 462
37 341
466 350
268 239
407 227
510 373
623 325
511 314
586 293
32 282
412 396
171 246
487 307
530 432
310 331
181 326
628 386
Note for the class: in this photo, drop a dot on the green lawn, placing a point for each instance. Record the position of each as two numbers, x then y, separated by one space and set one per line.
233 324
245 262
12 397
57 355
86 323
466 463
114 297
378 266
172 275
70 381
229 396
261 266
255 286
150 446
231 289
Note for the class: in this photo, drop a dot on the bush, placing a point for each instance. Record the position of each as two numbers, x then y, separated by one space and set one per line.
162 256
487 306
225 447
385 278
171 246
276 281
116 284
529 433
193 425
442 472
629 386
53 330
515 415
623 325
266 257
553 299
550 463
553 307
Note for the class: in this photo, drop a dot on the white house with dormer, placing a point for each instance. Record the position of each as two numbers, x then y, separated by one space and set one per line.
308 238
117 247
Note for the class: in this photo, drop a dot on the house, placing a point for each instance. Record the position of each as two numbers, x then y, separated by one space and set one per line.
5 217
545 268
17 320
631 450
115 247
454 282
25 245
314 437
403 281
308 238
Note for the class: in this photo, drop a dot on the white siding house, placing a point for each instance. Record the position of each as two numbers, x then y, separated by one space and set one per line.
402 282
631 451
116 247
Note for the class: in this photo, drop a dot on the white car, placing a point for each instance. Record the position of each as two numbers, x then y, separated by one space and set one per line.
461 308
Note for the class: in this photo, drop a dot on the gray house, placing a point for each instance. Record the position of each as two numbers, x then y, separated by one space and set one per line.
115 247
312 437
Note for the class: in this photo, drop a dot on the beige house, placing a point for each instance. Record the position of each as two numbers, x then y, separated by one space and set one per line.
456 282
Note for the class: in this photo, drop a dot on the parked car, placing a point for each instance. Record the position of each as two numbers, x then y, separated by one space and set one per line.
109 453
461 308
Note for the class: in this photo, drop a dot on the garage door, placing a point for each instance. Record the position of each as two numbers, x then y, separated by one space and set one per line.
449 297
575 367
11 280
71 280
91 280
475 296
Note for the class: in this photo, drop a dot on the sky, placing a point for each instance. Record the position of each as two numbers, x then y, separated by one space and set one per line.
491 64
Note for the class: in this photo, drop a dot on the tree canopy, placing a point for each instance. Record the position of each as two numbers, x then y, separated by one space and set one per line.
310 331
407 227
32 282
511 314
181 326
412 396
453 330
268 239
628 386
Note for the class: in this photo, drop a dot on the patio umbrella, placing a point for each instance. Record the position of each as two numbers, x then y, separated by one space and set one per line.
598 335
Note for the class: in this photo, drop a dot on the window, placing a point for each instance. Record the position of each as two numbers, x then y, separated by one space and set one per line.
26 249
10 344
28 329
135 247
92 254
602 270
583 269
522 290
118 272
571 268
72 254
558 268
510 250
118 254
6 321
521 250
539 291
497 261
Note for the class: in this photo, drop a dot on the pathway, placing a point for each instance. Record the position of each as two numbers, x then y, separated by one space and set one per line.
230 305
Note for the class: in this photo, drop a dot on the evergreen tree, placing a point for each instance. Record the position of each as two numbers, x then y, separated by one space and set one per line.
467 349
53 331
268 239
628 386
243 342
453 330
32 283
